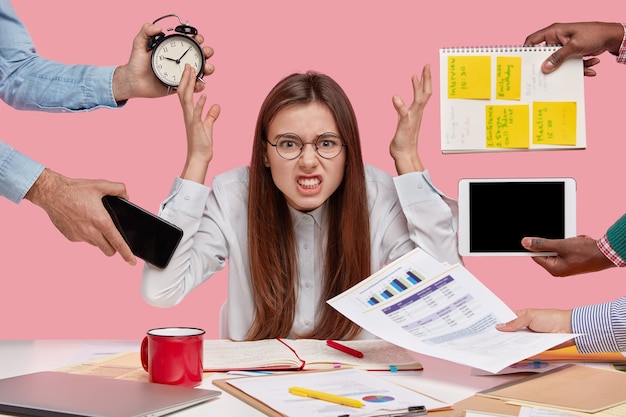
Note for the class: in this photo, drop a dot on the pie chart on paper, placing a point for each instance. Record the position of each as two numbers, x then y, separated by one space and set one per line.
377 398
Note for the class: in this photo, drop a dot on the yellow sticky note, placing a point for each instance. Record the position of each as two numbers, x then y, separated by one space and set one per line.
554 123
507 126
469 77
508 77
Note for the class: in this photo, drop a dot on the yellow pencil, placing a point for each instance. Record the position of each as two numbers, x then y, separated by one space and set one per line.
337 399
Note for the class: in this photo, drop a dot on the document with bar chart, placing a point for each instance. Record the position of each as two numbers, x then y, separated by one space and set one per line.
440 310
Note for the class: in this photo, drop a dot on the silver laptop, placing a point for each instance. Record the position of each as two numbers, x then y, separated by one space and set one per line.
55 394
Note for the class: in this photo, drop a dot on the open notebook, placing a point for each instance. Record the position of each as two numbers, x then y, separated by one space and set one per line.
305 354
62 394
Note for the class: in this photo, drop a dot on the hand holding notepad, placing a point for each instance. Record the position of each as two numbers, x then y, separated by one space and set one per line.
497 99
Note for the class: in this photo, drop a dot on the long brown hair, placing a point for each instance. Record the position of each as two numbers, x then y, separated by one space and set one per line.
271 240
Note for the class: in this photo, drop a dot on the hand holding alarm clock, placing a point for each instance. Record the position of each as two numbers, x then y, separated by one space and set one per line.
170 53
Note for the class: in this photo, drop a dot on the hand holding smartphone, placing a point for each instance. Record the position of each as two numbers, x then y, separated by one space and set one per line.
149 237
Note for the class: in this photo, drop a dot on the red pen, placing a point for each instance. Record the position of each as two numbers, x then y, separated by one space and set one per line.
344 348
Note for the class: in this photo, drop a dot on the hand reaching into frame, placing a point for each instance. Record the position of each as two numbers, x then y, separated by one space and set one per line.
76 210
541 321
574 255
584 39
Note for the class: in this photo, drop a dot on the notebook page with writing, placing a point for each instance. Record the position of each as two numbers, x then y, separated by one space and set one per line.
304 354
497 99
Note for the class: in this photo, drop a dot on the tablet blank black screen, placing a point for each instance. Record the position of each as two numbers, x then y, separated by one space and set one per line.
502 213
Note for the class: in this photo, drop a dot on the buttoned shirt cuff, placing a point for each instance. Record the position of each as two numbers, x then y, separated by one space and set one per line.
103 87
17 174
186 197
416 187
621 58
606 248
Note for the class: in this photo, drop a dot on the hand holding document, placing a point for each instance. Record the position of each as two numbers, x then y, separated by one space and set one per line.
442 311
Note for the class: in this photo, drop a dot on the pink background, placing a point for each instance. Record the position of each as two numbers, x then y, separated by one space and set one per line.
52 288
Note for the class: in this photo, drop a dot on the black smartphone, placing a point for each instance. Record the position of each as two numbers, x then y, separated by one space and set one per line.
149 237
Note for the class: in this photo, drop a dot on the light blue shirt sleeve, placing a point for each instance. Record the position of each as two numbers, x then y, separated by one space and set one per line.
17 173
30 82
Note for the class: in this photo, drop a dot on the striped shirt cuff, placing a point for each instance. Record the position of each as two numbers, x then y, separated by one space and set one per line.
599 333
621 58
606 248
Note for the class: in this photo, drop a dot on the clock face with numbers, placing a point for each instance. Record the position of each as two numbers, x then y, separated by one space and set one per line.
171 54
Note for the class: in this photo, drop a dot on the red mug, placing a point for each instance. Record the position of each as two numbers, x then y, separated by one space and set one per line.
173 355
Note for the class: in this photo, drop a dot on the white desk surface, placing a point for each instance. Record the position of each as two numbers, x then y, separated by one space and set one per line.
446 381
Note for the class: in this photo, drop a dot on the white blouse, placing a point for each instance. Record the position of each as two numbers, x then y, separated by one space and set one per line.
405 212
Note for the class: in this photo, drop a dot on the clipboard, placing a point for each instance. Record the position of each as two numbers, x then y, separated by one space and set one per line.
248 399
264 408
257 403
570 387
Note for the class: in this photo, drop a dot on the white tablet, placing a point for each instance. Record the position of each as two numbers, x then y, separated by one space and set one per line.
496 213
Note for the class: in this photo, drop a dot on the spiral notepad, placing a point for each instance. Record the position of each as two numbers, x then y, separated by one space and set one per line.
496 98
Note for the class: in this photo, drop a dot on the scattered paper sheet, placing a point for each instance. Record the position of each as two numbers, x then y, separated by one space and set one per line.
539 412
123 365
102 348
442 311
527 411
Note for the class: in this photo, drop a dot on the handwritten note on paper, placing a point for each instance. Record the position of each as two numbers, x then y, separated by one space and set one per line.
507 126
554 123
473 78
469 77
508 77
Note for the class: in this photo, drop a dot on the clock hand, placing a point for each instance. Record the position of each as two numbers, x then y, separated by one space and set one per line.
181 57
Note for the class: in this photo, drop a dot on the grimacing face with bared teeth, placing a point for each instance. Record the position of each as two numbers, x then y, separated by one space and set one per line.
308 180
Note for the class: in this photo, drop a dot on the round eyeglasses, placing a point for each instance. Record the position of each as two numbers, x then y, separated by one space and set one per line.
289 145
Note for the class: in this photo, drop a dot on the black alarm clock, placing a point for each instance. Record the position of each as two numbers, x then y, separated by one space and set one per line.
171 52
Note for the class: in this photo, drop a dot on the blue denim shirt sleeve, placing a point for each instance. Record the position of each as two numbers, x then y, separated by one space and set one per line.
17 173
30 82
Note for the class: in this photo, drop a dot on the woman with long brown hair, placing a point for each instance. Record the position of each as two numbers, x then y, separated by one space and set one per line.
302 223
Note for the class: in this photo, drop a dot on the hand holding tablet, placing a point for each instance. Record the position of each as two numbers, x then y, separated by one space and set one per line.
496 213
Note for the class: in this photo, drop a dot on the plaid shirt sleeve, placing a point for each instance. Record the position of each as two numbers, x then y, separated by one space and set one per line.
621 58
607 250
